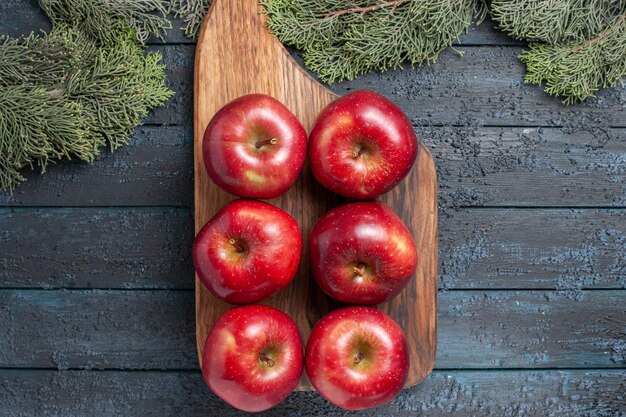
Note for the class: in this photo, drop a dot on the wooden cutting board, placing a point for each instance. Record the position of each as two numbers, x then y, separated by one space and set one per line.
237 55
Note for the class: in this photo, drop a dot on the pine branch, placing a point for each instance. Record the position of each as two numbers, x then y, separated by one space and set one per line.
97 17
34 57
37 125
555 21
192 12
601 36
90 95
340 42
579 45
576 70
118 89
363 10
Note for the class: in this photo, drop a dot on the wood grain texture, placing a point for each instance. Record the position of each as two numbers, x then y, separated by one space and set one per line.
476 166
564 249
577 166
483 87
248 59
104 329
146 247
96 248
481 123
154 169
595 393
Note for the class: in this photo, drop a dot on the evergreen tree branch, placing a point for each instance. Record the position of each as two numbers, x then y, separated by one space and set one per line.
555 21
576 70
45 59
66 94
339 42
192 12
600 37
37 125
97 17
363 10
579 46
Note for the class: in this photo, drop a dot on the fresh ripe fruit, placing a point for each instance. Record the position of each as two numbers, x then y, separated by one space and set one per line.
362 253
254 147
253 357
362 145
248 251
357 358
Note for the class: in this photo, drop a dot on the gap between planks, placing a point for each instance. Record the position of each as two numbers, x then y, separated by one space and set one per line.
190 208
198 371
183 290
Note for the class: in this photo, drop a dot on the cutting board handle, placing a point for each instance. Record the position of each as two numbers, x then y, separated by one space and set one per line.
251 60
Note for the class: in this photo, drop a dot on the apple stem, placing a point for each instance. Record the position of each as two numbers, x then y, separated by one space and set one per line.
358 358
237 246
358 152
267 360
272 141
359 269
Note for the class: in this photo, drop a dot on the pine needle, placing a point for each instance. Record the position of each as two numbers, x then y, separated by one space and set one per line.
341 40
579 46
96 17
37 125
66 94
45 59
555 21
576 70
192 12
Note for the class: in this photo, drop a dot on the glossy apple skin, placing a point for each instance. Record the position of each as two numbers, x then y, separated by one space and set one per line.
357 358
362 145
362 253
253 357
239 152
248 251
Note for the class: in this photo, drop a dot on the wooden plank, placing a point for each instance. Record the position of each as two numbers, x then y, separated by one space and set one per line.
454 91
554 249
154 169
476 167
97 329
139 248
178 60
20 17
528 166
113 248
154 329
487 33
483 87
507 329
456 393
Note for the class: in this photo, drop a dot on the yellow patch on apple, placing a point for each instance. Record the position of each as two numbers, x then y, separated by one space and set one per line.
254 177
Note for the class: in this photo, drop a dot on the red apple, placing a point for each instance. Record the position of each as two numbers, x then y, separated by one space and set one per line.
362 145
357 358
248 251
253 357
254 147
362 253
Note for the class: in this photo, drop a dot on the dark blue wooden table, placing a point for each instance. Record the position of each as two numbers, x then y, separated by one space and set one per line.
97 301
